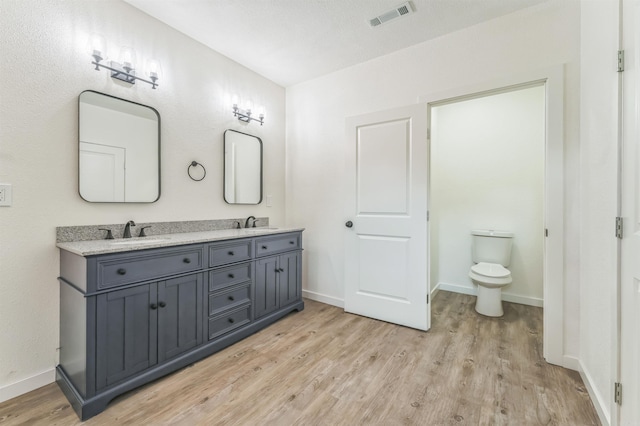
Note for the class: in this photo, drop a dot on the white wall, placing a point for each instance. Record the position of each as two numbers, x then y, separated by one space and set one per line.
598 198
539 37
487 172
45 65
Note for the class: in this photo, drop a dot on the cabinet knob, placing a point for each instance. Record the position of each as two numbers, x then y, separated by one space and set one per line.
277 270
231 298
292 242
121 271
230 253
280 270
264 247
186 260
231 320
231 276
349 224
154 306
162 304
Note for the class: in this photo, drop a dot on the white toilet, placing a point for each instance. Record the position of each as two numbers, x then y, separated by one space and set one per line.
491 254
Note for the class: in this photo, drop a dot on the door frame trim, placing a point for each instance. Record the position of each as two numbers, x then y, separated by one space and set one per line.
554 284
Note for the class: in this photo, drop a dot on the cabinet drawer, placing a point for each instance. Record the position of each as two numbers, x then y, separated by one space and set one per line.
221 254
226 299
122 270
229 321
277 244
229 276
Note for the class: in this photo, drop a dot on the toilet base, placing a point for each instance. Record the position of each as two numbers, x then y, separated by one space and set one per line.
489 301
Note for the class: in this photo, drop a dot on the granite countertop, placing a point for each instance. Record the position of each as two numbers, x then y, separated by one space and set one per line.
119 245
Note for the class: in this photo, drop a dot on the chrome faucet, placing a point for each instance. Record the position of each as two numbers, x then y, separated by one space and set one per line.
246 222
127 229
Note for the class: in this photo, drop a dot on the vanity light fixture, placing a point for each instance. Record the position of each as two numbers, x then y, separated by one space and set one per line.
125 69
245 115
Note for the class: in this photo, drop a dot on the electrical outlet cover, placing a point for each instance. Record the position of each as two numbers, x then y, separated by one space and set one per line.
5 195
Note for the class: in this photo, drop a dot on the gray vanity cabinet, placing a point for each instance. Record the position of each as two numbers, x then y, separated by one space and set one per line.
131 317
140 326
278 277
126 339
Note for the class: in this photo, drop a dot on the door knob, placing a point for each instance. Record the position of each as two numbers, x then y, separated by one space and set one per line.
349 224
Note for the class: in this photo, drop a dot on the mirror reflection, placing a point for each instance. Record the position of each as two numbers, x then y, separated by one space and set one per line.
242 168
119 150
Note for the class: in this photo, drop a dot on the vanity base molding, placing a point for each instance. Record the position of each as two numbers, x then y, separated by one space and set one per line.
129 318
88 408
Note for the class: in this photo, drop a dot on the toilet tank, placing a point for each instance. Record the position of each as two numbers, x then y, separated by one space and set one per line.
491 246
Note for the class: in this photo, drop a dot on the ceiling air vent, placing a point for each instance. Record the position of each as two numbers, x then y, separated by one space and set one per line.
403 9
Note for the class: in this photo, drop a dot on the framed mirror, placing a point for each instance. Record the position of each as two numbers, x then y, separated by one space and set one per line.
242 168
119 150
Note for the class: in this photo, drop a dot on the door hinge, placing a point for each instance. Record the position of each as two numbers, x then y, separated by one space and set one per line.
428 134
619 227
427 298
617 393
427 215
546 232
620 60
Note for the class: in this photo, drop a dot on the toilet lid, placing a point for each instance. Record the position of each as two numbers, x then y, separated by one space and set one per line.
494 270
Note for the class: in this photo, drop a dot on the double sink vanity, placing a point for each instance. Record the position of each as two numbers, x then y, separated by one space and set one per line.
133 310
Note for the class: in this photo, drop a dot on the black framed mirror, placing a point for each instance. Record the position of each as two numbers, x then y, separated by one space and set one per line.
119 150
242 168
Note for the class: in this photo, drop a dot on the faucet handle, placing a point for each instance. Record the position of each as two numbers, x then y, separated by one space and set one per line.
109 234
254 223
142 233
238 225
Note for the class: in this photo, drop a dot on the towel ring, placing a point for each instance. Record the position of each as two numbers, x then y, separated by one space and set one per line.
194 164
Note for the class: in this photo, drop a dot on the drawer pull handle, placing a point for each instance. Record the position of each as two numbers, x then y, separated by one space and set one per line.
231 276
153 306
122 271
231 298
162 304
231 253
186 260
280 270
277 270
292 242
264 247
231 320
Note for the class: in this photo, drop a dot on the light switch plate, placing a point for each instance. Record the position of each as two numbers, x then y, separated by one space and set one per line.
5 194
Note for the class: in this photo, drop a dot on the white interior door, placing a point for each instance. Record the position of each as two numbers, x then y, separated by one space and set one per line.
630 245
386 217
102 169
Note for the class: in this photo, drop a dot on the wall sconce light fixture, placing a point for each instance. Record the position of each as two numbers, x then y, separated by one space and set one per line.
245 115
125 69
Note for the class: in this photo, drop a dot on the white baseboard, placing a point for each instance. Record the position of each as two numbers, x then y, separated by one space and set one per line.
571 362
507 297
319 297
12 390
457 288
435 291
596 397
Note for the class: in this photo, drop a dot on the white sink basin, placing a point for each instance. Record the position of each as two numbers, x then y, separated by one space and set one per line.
139 241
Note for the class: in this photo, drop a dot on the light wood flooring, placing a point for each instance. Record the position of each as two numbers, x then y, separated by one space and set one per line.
322 366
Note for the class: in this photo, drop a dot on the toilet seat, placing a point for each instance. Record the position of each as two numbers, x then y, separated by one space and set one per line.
491 270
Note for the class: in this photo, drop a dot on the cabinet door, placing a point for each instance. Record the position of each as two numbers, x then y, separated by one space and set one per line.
126 340
266 294
289 267
179 315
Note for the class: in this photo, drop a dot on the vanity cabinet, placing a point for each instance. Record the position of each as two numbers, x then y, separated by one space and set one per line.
140 326
277 277
129 318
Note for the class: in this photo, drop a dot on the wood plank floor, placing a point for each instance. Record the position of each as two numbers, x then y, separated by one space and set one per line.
325 367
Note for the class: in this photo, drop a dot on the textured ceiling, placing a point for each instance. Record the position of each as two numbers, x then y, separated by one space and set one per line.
290 41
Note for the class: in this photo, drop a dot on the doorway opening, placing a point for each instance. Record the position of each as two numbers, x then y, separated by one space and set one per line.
496 162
